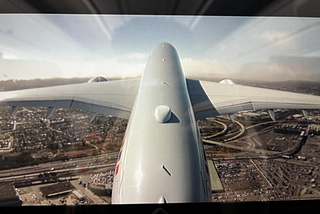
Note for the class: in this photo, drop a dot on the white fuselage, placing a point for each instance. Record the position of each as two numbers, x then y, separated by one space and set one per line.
162 162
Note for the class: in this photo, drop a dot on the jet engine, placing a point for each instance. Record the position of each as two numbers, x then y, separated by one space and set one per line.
227 81
97 79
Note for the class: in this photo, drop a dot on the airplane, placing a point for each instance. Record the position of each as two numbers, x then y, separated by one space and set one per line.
162 158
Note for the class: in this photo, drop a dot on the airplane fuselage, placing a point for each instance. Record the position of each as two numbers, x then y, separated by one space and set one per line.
162 158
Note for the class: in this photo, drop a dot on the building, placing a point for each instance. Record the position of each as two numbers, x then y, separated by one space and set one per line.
57 189
101 183
79 195
9 196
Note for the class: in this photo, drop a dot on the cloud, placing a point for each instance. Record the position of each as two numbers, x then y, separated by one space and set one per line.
222 47
279 38
208 69
129 65
282 68
273 36
135 56
278 69
266 71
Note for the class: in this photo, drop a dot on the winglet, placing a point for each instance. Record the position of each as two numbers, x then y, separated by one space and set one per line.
232 117
272 114
49 112
305 114
13 110
92 116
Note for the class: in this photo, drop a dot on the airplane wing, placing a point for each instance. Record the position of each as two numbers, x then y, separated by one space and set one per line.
114 98
212 99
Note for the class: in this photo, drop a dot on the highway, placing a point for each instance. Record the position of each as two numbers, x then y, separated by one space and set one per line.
225 128
260 124
242 130
77 169
249 150
60 166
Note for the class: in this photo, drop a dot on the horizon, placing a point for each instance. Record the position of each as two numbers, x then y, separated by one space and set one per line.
213 79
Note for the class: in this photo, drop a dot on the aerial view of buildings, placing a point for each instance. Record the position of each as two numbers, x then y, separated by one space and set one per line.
66 159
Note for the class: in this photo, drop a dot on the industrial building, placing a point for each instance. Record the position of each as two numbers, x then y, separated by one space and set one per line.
57 189
8 195
79 195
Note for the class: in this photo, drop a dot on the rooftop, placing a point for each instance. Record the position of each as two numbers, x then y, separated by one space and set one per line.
7 191
57 189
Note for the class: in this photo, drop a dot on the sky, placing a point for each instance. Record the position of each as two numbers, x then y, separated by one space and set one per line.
117 46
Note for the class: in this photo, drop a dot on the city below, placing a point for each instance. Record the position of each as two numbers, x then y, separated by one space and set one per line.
68 160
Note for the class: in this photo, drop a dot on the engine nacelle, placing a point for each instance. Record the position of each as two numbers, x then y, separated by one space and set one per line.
97 79
227 81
